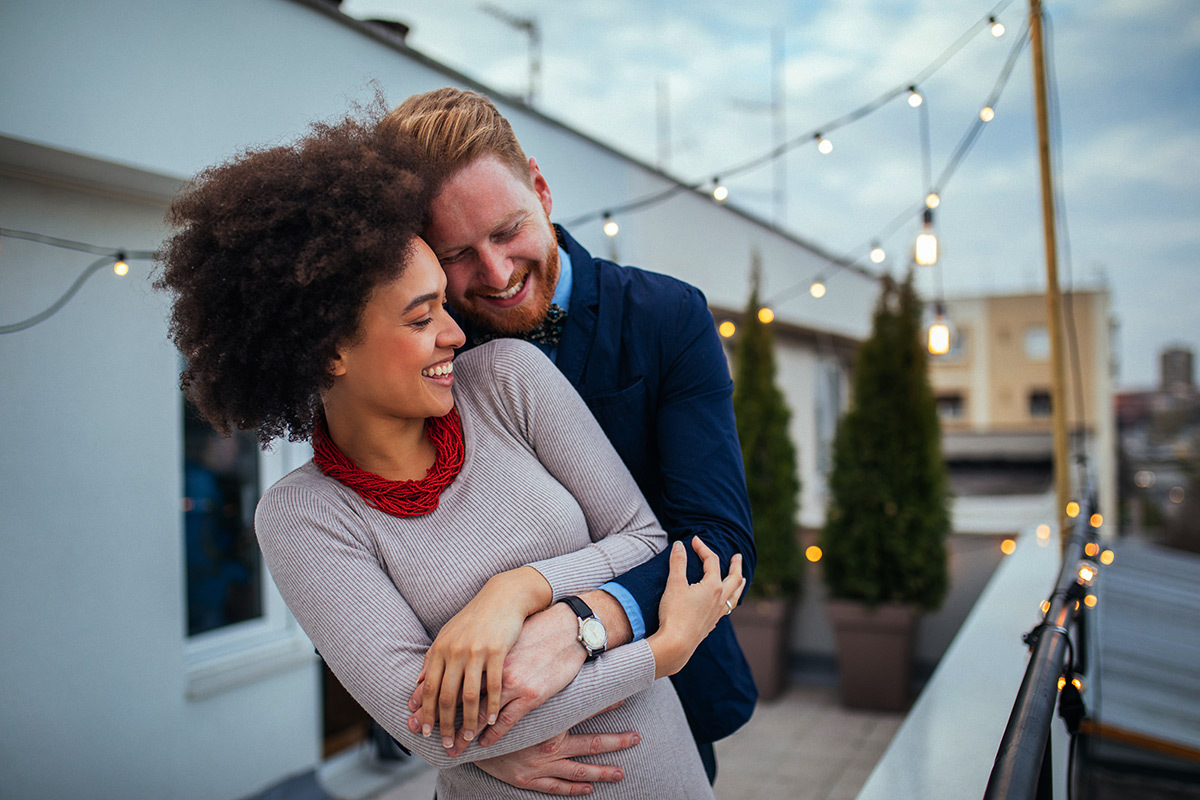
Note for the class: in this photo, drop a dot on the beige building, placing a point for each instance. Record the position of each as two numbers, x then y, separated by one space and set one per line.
993 387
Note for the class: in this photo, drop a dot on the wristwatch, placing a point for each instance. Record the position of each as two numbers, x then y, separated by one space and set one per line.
592 634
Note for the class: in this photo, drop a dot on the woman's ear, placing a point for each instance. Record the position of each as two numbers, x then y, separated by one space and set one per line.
337 366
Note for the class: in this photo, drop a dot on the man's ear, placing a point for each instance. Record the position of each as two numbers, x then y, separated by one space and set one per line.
540 187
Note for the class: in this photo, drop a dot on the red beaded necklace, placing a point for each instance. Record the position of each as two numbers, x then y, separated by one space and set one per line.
399 498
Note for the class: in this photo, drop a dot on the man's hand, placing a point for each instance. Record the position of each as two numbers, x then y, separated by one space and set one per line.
548 768
545 658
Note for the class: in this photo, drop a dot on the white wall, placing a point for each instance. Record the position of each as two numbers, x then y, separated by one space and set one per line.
105 697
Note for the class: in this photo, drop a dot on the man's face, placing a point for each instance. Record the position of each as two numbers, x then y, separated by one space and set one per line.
491 233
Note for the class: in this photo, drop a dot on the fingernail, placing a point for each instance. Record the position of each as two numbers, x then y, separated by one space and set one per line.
491 719
426 730
447 742
618 775
677 546
468 735
637 739
414 725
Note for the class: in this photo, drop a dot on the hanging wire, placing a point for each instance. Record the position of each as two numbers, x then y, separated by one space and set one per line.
917 209
968 140
806 137
1060 213
108 256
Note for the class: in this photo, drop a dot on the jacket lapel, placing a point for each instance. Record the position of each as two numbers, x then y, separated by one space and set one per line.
580 328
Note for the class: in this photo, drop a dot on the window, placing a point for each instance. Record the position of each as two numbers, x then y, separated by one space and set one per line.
950 406
220 491
1037 343
829 410
1039 403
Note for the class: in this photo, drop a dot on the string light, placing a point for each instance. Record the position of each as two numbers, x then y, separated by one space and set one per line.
877 253
1087 573
120 267
997 27
813 553
1096 520
1008 547
1090 602
1072 509
720 191
611 228
987 113
1107 557
766 316
817 289
825 145
932 200
926 251
1043 531
1091 549
727 329
939 333
914 97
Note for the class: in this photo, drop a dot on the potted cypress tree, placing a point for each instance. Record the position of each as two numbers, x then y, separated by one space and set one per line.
769 456
886 525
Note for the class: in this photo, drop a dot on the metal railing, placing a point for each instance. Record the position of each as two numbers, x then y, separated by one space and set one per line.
1022 770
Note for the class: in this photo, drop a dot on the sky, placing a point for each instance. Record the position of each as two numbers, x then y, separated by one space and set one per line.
1126 74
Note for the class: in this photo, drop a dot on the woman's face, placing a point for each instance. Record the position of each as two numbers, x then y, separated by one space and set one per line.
400 365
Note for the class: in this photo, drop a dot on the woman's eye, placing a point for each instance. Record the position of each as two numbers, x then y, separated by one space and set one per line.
422 323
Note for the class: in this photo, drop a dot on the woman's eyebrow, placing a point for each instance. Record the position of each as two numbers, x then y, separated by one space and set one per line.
421 300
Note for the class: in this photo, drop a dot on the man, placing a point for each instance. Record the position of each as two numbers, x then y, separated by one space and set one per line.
643 353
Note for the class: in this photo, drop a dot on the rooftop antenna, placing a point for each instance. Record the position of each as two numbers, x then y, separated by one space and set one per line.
528 26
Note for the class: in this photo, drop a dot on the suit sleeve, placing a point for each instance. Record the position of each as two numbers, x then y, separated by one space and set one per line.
700 461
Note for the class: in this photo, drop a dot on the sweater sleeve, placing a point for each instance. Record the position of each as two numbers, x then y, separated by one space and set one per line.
540 406
320 555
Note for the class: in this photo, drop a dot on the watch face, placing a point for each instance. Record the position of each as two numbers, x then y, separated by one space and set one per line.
592 633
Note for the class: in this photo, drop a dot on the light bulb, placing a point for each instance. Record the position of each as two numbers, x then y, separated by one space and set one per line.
1043 531
932 200
813 553
987 113
720 191
997 27
1087 573
1008 547
1072 509
610 226
939 336
817 289
914 97
1107 557
926 249
121 268
1091 549
1096 520
727 329
766 315
824 145
877 254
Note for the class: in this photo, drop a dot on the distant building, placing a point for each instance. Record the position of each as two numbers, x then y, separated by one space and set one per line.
1160 455
993 391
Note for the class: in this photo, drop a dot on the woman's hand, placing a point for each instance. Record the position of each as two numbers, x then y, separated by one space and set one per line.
688 612
473 644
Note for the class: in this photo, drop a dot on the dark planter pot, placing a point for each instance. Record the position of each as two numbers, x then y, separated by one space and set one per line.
874 649
762 628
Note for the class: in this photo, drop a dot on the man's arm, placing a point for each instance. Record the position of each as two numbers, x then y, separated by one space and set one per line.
700 460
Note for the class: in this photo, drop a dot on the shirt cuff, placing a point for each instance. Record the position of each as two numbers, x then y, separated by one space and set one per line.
622 595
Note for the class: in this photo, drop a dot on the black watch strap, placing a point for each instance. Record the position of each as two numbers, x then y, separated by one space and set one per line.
581 609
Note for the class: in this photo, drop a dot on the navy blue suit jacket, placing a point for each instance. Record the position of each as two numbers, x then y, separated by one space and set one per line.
643 353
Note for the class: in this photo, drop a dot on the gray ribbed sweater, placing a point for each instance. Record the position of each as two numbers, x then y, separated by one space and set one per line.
540 485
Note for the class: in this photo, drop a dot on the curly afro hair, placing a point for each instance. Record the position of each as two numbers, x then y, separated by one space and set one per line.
273 259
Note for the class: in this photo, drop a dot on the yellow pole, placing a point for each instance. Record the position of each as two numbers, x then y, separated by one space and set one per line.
1058 395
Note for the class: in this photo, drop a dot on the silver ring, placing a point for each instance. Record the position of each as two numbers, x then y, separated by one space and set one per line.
729 606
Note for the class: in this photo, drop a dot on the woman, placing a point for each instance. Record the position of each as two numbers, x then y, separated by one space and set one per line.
307 305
